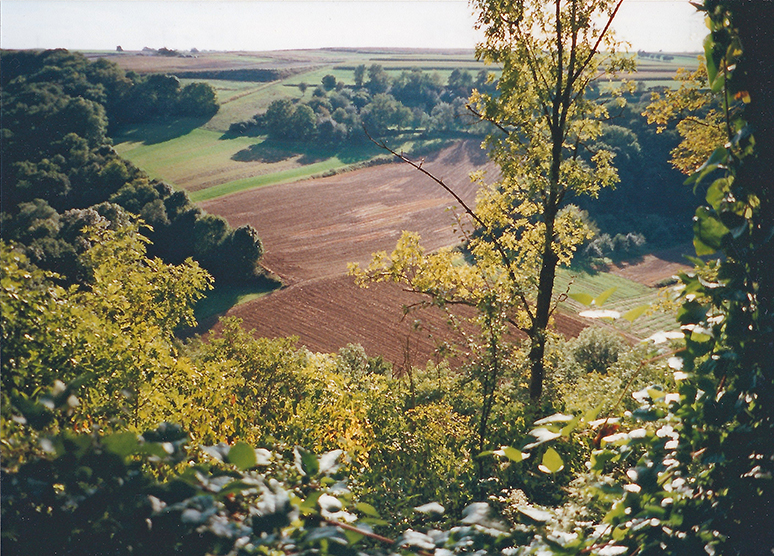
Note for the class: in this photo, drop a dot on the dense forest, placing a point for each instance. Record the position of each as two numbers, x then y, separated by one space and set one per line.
61 174
118 437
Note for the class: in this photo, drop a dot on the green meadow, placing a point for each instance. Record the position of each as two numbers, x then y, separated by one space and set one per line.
628 295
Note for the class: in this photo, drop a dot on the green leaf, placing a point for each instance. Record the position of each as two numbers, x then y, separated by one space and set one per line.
601 298
234 486
699 337
571 426
306 461
582 298
708 232
512 454
711 62
691 312
122 443
718 157
309 506
600 458
353 536
154 449
242 455
620 533
717 192
374 521
552 462
633 314
366 509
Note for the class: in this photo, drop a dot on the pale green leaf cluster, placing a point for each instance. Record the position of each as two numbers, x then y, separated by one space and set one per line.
699 120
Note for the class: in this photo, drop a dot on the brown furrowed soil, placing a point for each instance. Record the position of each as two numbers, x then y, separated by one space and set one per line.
656 268
312 229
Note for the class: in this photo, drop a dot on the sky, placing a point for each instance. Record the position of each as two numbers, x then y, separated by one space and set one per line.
651 25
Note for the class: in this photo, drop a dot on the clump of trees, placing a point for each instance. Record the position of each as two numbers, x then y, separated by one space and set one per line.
61 174
414 101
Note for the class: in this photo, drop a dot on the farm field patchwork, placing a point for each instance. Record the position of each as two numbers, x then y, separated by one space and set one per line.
312 229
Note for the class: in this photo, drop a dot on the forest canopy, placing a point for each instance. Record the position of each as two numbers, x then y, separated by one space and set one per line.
60 172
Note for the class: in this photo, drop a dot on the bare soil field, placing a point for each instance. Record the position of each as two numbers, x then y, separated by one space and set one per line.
329 313
312 229
656 268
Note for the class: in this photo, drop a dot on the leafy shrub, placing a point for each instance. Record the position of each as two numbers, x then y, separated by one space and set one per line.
596 349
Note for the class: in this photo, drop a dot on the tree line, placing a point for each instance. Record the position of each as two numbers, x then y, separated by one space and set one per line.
412 101
61 174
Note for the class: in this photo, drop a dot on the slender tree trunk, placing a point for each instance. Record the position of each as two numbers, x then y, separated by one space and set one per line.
542 313
549 261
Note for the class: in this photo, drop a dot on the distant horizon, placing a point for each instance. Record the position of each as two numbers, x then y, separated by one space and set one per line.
266 25
326 48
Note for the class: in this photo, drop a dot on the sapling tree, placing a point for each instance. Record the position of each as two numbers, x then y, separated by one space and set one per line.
544 128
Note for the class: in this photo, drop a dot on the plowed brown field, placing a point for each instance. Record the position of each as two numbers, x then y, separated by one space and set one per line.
312 229
654 268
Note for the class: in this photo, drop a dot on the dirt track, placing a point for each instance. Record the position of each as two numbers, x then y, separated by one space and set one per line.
312 229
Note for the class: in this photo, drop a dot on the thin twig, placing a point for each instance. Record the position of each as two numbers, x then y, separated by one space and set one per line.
599 41
498 245
370 535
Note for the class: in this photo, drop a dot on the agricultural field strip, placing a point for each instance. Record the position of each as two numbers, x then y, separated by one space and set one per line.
628 295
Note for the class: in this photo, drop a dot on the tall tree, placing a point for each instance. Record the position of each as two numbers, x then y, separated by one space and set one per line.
545 125
550 53
360 72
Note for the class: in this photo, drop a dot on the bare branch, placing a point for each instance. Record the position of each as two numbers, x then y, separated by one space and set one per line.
595 49
369 534
468 210
485 118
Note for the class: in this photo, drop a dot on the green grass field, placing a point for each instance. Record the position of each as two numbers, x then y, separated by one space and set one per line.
208 164
628 295
194 155
222 298
186 161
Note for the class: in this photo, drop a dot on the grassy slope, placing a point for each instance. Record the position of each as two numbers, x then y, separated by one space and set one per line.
628 295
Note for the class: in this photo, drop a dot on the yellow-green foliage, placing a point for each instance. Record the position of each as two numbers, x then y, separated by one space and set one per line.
117 335
700 122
